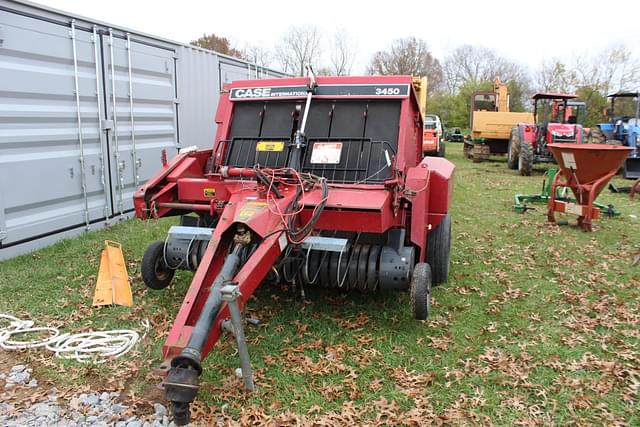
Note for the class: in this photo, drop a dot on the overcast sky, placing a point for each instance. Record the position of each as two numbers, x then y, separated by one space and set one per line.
525 32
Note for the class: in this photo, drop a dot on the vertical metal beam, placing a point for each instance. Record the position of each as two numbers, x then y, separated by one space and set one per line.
83 177
103 150
134 157
116 154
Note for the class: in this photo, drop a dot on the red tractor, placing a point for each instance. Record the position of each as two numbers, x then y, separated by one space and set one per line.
313 182
557 120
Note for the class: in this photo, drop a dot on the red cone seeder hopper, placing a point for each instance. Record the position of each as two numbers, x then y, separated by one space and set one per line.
586 169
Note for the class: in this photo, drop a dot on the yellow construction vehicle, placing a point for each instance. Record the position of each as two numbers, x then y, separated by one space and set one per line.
432 134
491 123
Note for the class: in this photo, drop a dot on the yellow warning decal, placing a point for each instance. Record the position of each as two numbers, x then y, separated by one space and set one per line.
270 146
209 192
249 210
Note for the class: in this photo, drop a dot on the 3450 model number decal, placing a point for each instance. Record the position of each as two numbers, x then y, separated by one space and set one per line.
392 90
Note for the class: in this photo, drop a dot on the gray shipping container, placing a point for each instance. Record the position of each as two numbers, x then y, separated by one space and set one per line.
85 110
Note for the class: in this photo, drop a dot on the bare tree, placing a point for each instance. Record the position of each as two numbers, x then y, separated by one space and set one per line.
218 44
476 63
342 53
258 55
555 76
613 69
408 56
298 46
607 71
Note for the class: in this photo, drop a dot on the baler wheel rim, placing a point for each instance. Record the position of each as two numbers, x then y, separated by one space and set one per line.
421 291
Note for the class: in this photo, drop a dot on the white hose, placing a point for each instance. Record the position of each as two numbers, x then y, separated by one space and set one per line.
9 344
94 346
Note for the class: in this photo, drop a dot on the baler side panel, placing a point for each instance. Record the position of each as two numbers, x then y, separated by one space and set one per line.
419 184
441 184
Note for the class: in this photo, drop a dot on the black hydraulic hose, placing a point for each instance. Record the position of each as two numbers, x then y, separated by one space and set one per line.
210 309
181 385
295 233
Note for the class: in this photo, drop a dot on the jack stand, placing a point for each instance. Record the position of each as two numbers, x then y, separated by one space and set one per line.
230 294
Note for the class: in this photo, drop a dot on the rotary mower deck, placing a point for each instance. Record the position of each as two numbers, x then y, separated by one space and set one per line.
314 182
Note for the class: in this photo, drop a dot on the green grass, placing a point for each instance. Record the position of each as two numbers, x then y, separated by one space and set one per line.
538 323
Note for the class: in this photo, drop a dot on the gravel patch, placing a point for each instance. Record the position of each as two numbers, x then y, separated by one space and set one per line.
84 410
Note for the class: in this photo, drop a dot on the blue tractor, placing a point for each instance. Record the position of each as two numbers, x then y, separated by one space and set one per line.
623 128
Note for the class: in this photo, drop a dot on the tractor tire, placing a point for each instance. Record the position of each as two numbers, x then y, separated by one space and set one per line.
155 272
421 291
439 251
525 159
513 151
441 149
596 136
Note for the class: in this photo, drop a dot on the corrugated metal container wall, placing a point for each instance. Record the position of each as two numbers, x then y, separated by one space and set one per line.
86 109
198 82
42 178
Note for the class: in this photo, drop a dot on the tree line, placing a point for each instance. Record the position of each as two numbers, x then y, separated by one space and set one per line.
455 77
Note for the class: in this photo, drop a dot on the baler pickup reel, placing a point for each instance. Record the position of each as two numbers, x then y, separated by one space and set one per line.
316 183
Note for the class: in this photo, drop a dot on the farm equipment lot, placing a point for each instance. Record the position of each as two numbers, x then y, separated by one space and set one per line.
537 322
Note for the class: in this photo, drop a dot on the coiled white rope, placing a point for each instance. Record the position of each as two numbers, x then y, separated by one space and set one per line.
95 346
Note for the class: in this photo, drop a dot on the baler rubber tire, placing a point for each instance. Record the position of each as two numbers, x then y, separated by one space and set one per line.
421 291
153 268
596 136
439 251
513 150
442 149
525 159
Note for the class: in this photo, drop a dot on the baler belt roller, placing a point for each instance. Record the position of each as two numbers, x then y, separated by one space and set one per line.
364 267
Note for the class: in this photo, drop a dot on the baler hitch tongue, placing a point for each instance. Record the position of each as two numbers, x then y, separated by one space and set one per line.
181 385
